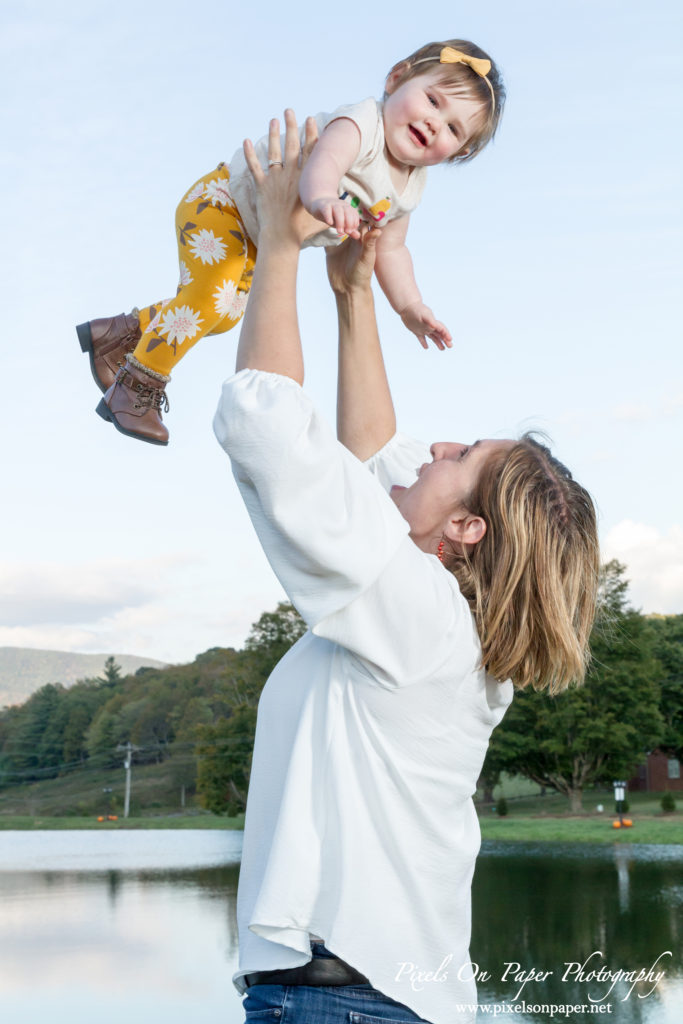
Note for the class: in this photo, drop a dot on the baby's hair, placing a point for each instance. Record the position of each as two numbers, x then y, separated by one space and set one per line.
463 81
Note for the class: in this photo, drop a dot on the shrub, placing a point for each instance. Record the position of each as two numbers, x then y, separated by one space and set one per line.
501 807
668 804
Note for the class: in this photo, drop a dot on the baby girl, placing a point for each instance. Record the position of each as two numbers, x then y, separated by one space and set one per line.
441 105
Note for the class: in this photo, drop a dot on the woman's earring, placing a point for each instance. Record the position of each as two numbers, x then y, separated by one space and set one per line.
439 550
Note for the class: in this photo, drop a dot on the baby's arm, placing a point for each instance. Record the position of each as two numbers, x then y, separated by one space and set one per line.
394 270
334 153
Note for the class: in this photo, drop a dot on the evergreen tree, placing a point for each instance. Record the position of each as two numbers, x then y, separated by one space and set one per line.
112 672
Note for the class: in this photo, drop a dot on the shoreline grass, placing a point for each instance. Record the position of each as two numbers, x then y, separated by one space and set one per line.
23 823
661 829
578 829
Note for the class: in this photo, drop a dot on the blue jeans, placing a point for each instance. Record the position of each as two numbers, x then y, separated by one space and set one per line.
323 1004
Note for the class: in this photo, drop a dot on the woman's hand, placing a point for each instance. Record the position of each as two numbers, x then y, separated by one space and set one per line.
350 266
282 216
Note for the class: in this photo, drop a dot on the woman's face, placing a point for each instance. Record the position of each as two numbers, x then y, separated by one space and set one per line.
436 504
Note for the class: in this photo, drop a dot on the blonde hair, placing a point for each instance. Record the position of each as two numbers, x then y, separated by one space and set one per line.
463 81
532 579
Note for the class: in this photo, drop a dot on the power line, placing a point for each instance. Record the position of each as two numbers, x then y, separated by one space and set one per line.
171 751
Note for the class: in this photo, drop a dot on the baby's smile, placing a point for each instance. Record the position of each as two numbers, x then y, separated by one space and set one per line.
417 135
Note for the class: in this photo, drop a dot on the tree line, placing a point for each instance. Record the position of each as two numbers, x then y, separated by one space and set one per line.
206 710
200 718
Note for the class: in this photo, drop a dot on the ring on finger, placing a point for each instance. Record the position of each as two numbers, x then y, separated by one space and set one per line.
276 163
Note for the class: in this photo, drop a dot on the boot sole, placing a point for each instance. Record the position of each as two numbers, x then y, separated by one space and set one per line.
85 338
105 412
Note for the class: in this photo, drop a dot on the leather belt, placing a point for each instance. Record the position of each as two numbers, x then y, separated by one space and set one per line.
319 971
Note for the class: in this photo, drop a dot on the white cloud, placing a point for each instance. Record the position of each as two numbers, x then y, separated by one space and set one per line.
173 626
59 594
48 638
654 561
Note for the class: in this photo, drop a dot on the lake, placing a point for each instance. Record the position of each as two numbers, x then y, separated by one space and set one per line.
137 926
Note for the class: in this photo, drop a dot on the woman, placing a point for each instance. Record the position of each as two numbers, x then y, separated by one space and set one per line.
425 605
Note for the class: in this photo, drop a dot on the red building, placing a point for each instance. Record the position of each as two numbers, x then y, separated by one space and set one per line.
657 774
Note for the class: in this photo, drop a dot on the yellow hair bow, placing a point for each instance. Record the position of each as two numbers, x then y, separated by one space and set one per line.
451 56
481 66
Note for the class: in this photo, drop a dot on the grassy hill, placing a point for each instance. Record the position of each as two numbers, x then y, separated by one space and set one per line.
24 670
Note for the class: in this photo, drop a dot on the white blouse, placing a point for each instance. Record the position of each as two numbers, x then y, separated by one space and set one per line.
371 731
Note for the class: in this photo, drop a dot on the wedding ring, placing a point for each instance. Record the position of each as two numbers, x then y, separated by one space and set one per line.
276 163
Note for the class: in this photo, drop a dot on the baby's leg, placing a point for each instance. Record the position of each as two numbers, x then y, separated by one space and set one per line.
215 257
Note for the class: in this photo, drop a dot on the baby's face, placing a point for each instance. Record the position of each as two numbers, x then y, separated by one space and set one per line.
424 123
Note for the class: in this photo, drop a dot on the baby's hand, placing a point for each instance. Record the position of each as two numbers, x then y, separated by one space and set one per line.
419 319
338 214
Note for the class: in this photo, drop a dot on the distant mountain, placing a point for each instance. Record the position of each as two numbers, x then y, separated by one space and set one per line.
24 670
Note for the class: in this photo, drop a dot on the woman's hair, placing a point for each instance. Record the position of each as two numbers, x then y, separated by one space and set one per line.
531 581
462 80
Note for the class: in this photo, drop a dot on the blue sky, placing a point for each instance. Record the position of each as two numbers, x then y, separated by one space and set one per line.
554 258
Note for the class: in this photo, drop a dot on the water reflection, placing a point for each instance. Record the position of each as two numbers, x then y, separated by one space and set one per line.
161 942
132 946
544 907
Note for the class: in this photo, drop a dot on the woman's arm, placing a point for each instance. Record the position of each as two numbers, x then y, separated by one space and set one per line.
365 411
270 339
333 536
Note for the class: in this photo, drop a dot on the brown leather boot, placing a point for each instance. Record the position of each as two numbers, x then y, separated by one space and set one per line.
108 342
133 403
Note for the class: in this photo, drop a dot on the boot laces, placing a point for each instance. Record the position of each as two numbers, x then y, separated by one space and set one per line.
152 398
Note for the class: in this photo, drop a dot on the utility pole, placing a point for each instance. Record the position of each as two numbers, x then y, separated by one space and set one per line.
127 765
129 748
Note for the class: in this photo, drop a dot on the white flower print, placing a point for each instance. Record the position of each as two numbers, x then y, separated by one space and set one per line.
195 192
155 321
228 301
185 275
207 247
224 297
180 324
239 305
218 192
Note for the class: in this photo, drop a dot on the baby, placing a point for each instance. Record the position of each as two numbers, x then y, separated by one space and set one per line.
441 105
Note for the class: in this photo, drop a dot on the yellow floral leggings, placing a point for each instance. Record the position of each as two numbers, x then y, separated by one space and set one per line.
216 265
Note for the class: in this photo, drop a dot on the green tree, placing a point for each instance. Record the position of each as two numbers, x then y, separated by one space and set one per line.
272 636
33 747
106 732
82 702
74 748
224 747
667 638
112 672
224 761
598 731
